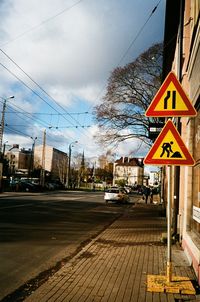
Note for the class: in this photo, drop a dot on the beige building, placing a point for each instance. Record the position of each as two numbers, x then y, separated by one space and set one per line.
154 178
19 161
51 160
182 55
129 169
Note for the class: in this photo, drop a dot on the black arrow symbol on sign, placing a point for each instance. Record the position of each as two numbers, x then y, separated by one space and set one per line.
173 99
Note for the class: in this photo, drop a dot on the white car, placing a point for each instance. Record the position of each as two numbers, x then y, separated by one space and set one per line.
116 194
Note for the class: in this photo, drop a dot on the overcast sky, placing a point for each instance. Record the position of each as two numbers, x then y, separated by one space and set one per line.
69 48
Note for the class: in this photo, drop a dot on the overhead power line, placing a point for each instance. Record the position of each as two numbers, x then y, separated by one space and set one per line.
17 131
130 46
138 33
40 121
39 87
51 127
42 23
45 113
43 123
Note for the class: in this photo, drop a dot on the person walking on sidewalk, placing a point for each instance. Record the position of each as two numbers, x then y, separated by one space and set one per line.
146 193
151 194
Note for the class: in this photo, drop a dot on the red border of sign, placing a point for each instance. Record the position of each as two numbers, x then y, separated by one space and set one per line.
189 161
171 77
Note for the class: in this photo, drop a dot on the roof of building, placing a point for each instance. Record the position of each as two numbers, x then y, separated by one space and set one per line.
129 161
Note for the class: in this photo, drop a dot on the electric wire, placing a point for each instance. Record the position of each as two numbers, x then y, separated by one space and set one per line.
25 113
138 34
42 23
38 85
37 119
50 127
45 113
122 58
17 131
129 47
13 74
27 135
44 124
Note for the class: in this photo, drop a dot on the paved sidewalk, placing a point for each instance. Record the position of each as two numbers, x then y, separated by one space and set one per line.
114 266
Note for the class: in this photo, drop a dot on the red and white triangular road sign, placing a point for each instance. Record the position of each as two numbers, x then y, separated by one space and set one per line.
171 100
169 149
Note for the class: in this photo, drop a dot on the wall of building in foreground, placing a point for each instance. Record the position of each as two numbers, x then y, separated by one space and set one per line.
189 190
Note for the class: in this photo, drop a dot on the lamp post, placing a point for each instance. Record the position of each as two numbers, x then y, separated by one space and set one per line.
69 164
2 119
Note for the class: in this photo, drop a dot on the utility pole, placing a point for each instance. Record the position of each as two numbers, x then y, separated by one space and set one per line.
1 137
69 164
3 120
42 175
32 157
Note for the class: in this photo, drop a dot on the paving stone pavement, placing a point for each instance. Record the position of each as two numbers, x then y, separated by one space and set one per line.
115 265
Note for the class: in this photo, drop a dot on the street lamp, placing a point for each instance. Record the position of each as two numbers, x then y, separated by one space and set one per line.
69 163
2 119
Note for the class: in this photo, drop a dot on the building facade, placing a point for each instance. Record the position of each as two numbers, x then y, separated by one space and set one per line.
129 169
19 161
182 55
51 160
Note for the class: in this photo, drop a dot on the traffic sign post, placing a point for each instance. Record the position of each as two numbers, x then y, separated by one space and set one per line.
170 150
169 243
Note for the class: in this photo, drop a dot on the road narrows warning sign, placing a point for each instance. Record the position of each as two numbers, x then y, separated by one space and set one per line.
169 149
171 100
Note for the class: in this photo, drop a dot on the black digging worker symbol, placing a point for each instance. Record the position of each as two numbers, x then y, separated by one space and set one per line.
166 149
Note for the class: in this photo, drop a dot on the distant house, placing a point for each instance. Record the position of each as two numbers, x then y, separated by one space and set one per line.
129 169
154 178
19 161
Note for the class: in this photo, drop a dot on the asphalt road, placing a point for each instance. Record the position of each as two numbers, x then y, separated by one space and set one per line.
39 231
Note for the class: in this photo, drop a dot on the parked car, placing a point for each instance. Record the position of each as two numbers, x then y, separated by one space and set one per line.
127 189
116 194
27 186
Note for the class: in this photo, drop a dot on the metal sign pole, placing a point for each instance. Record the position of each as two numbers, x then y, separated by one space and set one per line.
169 262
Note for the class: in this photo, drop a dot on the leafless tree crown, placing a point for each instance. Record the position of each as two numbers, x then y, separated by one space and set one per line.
130 90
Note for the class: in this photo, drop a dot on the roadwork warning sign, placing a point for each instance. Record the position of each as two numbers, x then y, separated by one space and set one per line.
171 100
169 149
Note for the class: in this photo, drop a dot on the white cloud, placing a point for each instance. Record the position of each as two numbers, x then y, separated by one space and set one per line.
71 55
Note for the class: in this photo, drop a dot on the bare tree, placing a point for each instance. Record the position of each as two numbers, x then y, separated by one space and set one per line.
130 90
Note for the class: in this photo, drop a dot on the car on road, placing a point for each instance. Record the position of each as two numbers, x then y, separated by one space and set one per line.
25 185
127 189
116 194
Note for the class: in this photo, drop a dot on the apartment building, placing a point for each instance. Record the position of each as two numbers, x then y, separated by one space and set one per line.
19 161
51 160
129 169
182 55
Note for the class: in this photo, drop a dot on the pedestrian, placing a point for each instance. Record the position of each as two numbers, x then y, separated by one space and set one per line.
146 193
151 194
